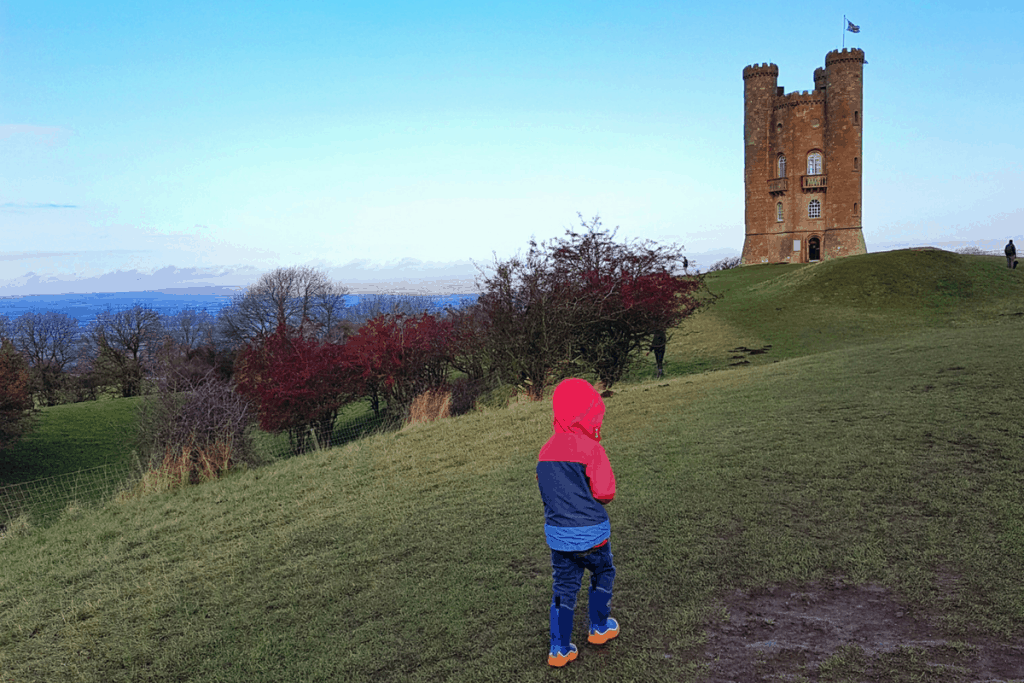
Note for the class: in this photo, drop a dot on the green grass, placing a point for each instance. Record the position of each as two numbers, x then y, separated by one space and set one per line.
888 454
68 438
810 308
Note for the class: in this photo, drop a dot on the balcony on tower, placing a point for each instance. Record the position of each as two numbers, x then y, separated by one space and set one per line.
814 182
778 185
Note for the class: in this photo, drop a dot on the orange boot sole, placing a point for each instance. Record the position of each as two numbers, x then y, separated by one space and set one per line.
560 659
598 638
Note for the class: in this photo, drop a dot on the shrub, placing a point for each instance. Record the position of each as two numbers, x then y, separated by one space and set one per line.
465 393
16 405
728 263
193 435
971 250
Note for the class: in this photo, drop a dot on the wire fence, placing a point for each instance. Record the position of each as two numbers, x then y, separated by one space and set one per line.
44 500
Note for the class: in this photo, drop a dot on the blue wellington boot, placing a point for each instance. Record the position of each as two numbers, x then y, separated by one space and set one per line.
562 651
602 627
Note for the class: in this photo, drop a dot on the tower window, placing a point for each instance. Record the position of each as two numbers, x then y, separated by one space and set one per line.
856 117
856 163
855 208
782 165
814 163
778 212
814 209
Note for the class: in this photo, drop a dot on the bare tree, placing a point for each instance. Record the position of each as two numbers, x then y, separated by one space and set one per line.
6 328
49 342
530 322
187 348
372 305
190 328
124 344
48 339
296 296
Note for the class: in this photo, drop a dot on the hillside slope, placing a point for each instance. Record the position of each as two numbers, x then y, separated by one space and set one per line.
420 555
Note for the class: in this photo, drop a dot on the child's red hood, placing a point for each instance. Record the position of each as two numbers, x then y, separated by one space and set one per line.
578 409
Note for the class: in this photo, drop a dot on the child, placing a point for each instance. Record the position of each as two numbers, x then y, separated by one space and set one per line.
576 482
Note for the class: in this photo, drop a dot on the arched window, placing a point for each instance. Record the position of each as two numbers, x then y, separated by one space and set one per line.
782 165
814 209
814 163
778 212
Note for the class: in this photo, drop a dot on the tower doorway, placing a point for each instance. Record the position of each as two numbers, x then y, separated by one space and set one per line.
813 249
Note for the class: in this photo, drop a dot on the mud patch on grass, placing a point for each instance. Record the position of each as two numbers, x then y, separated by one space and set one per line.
832 631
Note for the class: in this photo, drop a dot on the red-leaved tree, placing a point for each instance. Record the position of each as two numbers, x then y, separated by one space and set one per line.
585 303
623 312
395 357
299 384
624 292
16 405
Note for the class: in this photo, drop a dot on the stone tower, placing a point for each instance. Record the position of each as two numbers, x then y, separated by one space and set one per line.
803 163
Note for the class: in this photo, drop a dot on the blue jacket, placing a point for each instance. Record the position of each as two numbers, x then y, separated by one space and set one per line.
573 472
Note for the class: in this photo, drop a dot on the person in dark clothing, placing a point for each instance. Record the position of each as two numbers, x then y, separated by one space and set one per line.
658 346
1011 254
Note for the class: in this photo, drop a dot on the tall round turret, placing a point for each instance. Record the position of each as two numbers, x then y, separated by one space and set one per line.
844 159
760 82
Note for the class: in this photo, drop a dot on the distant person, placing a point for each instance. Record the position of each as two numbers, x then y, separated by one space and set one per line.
658 346
578 482
1011 254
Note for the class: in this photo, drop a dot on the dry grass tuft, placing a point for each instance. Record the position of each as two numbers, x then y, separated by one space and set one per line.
189 464
430 405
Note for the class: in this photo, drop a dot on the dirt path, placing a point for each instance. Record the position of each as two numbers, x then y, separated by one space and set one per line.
836 632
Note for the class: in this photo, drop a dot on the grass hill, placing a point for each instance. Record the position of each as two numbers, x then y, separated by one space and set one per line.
876 439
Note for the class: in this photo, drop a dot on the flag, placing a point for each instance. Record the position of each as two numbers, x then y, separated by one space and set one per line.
852 27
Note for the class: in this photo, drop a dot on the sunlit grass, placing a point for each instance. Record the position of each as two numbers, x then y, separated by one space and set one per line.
419 555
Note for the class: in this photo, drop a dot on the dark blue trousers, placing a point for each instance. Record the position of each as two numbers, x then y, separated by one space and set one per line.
567 577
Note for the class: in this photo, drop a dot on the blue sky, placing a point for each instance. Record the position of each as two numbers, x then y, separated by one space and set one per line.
394 144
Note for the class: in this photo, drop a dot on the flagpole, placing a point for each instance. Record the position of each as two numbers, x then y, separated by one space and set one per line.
844 31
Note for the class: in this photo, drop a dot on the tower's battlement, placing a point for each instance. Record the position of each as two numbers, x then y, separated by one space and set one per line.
796 98
849 54
757 70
